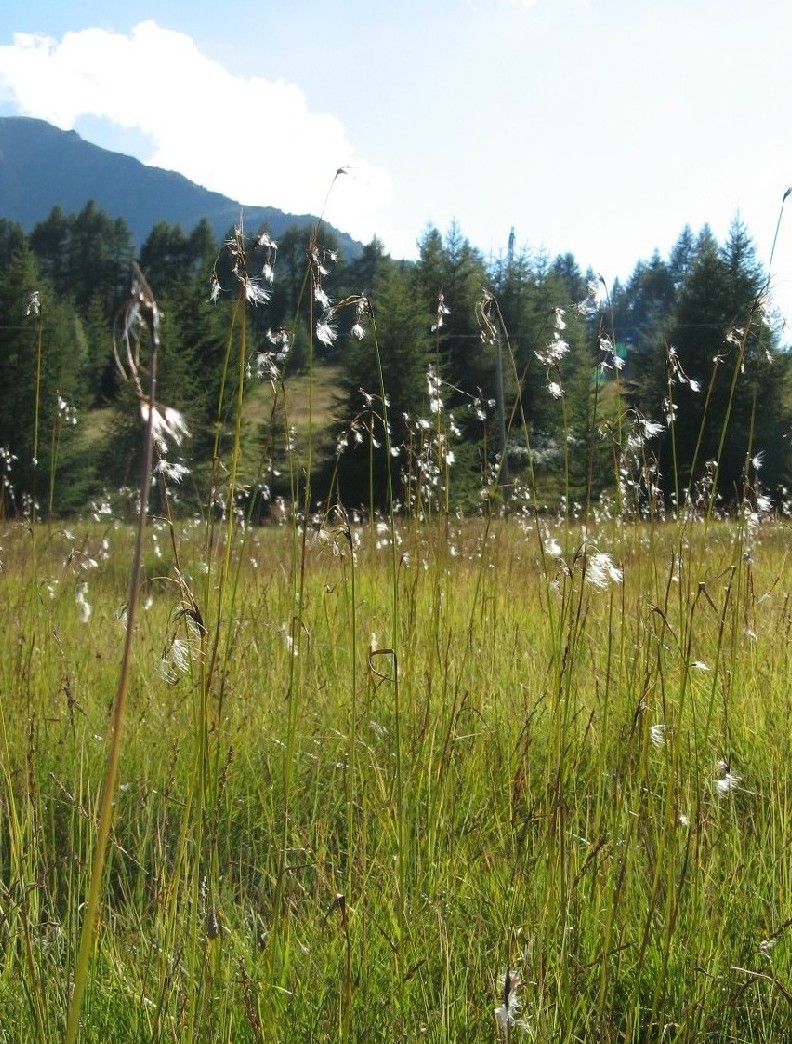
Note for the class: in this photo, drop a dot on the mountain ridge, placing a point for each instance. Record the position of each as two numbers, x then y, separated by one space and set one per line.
42 166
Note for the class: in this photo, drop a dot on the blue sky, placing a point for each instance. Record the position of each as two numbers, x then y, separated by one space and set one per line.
600 127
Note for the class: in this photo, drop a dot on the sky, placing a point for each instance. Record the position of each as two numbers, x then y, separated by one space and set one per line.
596 127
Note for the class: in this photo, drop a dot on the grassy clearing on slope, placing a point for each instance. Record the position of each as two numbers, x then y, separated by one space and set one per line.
303 408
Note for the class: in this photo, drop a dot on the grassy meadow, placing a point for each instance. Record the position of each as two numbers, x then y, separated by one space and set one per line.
393 764
398 776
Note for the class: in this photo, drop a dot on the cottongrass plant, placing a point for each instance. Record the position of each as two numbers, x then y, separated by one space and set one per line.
141 313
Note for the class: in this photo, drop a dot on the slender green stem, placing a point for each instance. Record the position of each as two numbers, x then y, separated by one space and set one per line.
106 805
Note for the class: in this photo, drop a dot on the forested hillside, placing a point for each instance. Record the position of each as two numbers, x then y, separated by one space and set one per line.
42 166
620 399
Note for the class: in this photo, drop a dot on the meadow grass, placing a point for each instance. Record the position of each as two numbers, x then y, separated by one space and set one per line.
366 869
407 778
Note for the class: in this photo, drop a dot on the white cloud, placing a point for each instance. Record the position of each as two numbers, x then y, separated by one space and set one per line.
252 139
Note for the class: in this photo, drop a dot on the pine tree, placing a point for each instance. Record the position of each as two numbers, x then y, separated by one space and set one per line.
716 370
394 354
12 240
41 357
84 255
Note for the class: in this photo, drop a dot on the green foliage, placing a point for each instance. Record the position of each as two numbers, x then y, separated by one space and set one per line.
703 302
98 379
393 355
84 255
453 268
12 241
705 351
169 256
42 353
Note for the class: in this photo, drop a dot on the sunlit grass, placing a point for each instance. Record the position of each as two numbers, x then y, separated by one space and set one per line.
543 829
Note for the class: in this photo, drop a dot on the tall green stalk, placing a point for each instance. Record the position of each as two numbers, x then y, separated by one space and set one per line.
142 299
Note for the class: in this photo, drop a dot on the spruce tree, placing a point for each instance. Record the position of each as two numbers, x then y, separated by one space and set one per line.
715 370
41 357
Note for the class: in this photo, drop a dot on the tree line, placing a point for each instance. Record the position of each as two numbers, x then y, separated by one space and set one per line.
467 380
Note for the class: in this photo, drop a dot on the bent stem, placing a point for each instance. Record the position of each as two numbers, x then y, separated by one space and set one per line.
144 300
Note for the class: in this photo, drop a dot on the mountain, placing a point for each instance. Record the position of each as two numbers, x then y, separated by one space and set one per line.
42 167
